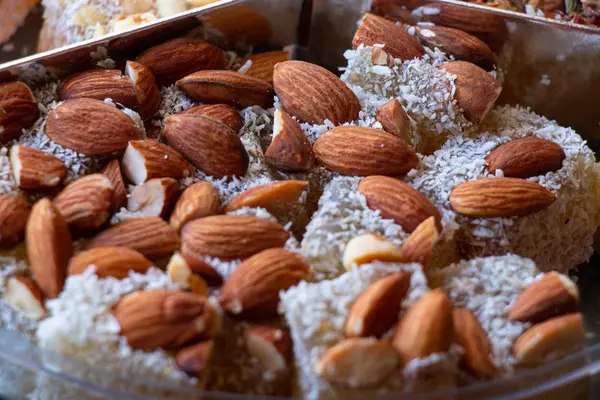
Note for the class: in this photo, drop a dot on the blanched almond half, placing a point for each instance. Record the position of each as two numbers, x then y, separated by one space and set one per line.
35 170
22 294
147 159
276 197
154 198
114 262
370 247
271 345
290 150
199 200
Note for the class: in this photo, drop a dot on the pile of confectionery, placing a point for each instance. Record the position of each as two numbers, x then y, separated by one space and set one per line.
246 223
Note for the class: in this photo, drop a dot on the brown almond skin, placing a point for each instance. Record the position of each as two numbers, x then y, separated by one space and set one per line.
113 172
463 18
19 107
198 201
276 197
160 161
419 245
49 247
14 211
263 64
100 84
290 150
227 87
276 336
352 150
177 58
230 237
146 90
194 359
398 201
113 262
313 94
211 146
527 157
398 43
38 170
200 267
240 24
475 343
223 113
500 197
394 120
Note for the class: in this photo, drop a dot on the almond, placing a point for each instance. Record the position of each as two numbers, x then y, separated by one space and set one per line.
238 25
100 84
462 18
312 94
364 249
276 197
197 201
147 159
526 157
86 203
252 289
22 294
177 58
290 150
377 308
474 341
180 272
394 120
352 150
14 211
550 340
35 170
49 247
19 110
113 172
553 295
75 124
419 245
154 198
397 200
426 328
270 345
150 236
459 44
146 91
358 362
500 197
195 359
263 64
222 113
199 266
115 262
230 237
397 42
476 90
210 145
165 318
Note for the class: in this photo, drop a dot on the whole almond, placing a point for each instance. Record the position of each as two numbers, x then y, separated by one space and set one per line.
113 172
500 197
75 124
198 201
19 110
551 296
252 290
263 64
195 359
271 345
394 120
49 247
115 262
227 87
475 343
526 157
462 18
14 211
86 204
35 170
177 58
150 236
397 42
419 245
369 247
312 94
352 150
290 150
222 113
399 201
426 328
24 295
146 91
100 84
239 25
154 198
276 197
377 308
230 237
210 145
148 159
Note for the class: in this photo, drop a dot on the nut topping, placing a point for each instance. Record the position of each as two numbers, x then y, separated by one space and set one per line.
197 201
290 150
114 262
14 211
147 159
22 294
276 197
474 341
527 157
35 170
370 247
19 110
154 198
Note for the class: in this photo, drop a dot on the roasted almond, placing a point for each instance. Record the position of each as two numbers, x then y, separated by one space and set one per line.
177 58
419 245
399 201
551 296
100 84
115 262
180 272
270 345
49 247
222 113
22 294
500 197
90 127
146 91
35 170
263 64
197 201
150 236
238 24
526 157
370 247
276 197
252 290
476 90
290 150
394 120
86 203
352 150
426 328
476 358
154 198
462 18
210 145
113 172
230 237
313 94
199 266
550 340
19 110
14 211
377 308
195 359
227 87
358 362
148 159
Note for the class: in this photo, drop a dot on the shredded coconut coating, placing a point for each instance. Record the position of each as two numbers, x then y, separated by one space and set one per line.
7 179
